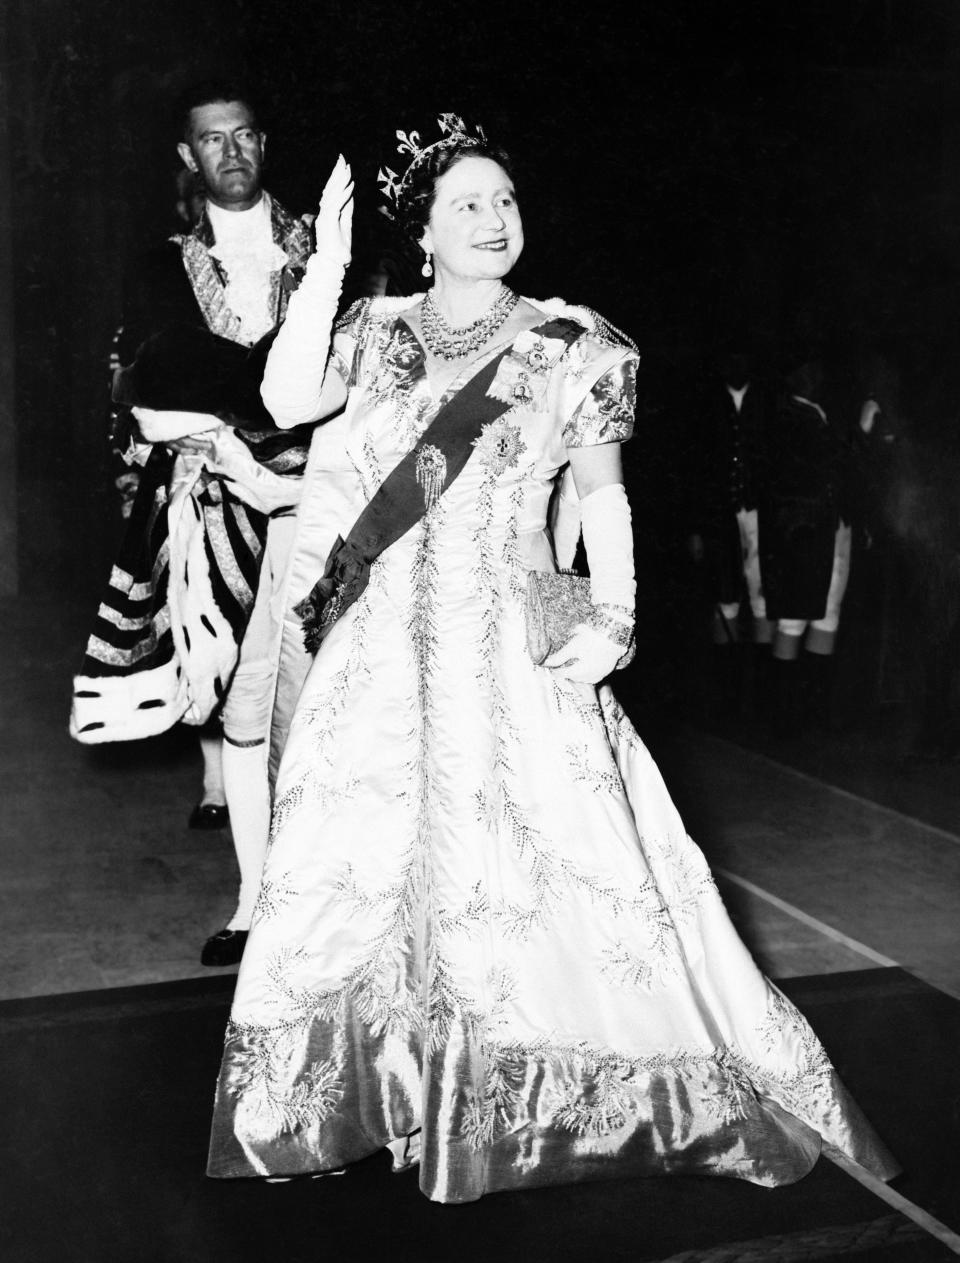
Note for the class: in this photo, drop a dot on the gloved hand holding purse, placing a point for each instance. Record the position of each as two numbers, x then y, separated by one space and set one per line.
603 641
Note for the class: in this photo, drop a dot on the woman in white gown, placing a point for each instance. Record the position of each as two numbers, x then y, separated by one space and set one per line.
483 938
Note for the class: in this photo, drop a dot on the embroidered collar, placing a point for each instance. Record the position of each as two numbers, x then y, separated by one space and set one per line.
290 234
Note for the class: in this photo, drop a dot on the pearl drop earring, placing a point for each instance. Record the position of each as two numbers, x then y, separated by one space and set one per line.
427 269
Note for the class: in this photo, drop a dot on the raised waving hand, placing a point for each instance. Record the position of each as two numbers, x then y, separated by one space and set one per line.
296 385
333 226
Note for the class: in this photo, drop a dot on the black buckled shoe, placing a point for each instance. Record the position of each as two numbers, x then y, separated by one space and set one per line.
209 816
224 948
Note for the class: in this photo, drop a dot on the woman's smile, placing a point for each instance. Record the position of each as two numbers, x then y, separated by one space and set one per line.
473 198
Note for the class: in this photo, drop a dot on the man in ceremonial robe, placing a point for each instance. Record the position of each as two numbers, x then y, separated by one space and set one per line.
188 626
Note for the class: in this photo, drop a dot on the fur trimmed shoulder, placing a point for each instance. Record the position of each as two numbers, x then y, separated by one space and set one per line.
392 306
378 308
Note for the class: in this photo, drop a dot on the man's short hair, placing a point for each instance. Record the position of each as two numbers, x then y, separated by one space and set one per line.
208 91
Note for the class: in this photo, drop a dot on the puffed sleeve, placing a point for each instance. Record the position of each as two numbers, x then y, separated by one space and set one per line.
348 339
602 395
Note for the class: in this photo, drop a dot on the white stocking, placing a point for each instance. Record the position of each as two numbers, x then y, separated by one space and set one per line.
248 799
212 769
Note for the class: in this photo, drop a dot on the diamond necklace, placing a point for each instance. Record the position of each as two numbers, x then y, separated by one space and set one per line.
449 343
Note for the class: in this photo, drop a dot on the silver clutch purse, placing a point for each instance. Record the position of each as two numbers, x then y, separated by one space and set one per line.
556 603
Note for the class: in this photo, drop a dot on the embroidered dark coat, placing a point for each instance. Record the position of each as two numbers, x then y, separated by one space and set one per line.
727 466
178 348
799 510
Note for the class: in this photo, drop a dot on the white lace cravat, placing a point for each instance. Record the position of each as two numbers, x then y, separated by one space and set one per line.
244 245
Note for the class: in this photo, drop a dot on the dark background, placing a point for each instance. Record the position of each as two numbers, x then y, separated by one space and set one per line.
684 167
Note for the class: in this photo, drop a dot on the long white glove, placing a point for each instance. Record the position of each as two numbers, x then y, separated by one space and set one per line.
566 523
297 362
596 649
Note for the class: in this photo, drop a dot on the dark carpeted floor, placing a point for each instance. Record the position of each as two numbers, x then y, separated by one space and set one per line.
106 1096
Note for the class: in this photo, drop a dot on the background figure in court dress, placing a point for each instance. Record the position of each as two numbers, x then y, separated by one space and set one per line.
805 538
227 491
210 810
725 482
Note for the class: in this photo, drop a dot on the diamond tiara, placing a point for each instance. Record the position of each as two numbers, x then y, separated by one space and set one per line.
453 132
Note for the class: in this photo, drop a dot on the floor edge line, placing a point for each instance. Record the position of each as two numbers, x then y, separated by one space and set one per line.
922 1218
813 922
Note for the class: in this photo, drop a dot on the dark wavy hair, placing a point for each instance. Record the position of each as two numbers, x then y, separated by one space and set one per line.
420 191
210 92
